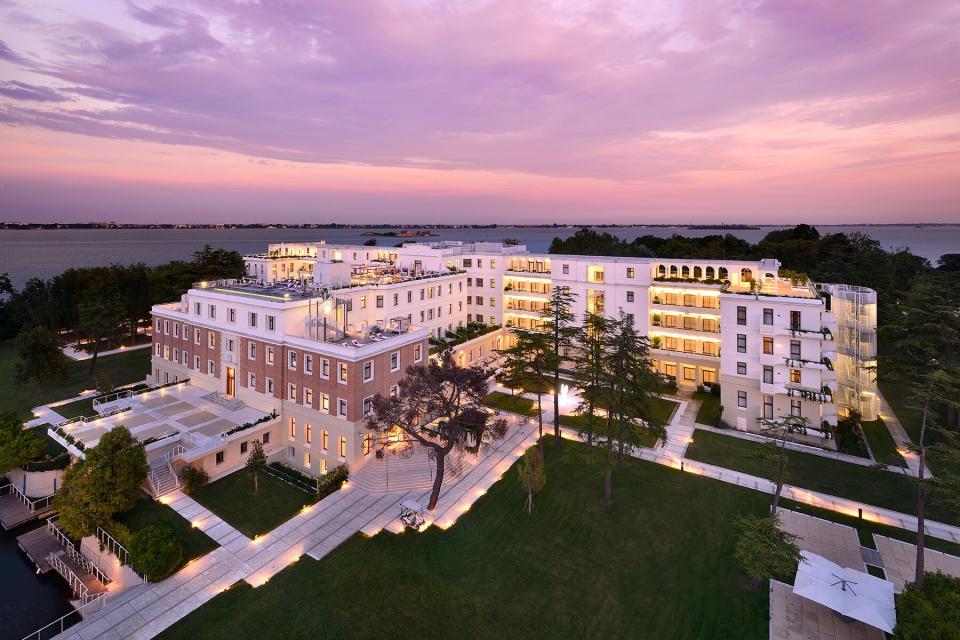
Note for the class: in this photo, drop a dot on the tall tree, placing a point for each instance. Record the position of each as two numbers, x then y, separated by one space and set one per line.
106 482
925 331
561 330
532 474
438 406
526 363
18 445
39 358
256 462
775 453
101 311
589 370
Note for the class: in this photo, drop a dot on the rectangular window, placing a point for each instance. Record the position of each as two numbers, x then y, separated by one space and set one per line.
741 368
709 376
767 374
252 380
566 269
368 371
219 457
211 367
176 329
670 369
307 363
196 362
196 336
325 402
768 316
741 315
363 302
690 374
232 314
794 319
342 373
271 323
292 433
741 399
252 319
629 296
266 437
768 345
368 405
795 349
795 376
269 355
395 361
325 437
341 408
768 407
325 368
212 340
269 385
292 360
212 311
379 302
292 392
342 444
308 433
741 343
795 407
252 350
243 447
417 352
308 397
196 308
631 272
306 459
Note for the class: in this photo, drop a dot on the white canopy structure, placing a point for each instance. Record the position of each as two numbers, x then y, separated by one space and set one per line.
851 593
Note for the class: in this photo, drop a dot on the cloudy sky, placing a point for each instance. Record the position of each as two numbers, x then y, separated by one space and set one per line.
480 111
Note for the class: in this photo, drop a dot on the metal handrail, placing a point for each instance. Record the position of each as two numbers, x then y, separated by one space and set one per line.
68 546
100 599
31 504
79 589
111 544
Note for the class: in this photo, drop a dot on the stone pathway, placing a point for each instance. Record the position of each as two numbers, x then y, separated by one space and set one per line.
73 353
904 443
680 429
202 518
900 561
146 610
796 618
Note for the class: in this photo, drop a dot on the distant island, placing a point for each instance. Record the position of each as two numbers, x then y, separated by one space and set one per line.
725 227
406 233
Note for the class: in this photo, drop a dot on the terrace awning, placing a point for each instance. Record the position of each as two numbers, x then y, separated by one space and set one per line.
849 592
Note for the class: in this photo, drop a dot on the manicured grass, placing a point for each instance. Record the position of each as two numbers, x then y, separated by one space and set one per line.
709 404
842 479
580 423
232 498
81 407
120 368
531 386
150 512
881 442
657 564
911 419
513 404
51 448
662 409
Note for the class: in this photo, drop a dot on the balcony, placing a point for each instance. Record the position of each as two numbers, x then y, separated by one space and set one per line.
824 394
682 308
798 363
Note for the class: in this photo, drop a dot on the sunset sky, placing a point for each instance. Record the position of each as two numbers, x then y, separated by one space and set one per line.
480 111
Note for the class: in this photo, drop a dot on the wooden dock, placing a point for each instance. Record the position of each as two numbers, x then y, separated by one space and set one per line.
13 512
38 545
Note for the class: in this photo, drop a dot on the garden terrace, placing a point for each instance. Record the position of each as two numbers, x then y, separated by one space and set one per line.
148 512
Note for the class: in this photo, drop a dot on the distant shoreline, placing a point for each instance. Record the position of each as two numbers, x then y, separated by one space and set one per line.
60 226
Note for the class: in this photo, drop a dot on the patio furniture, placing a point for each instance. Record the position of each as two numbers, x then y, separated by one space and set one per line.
411 514
852 594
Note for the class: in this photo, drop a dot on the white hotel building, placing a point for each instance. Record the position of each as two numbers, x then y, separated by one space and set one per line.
315 330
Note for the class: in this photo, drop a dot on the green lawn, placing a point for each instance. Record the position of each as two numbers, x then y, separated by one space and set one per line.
513 404
709 404
579 423
842 479
149 512
657 564
232 498
881 442
82 407
120 368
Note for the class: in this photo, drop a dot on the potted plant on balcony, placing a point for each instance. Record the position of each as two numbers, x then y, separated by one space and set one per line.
656 319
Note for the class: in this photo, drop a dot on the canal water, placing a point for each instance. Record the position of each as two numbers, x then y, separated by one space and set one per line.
27 601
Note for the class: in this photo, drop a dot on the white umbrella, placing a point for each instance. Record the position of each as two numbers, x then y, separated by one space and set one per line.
851 593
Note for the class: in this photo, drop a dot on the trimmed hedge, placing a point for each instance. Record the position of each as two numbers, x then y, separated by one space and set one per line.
155 552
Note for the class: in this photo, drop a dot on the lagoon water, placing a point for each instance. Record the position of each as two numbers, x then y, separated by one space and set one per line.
42 254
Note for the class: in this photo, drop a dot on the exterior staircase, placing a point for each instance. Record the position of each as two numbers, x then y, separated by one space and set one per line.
228 403
162 479
403 472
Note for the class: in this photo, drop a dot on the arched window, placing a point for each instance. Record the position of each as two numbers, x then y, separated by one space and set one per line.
661 271
685 272
722 274
746 275
673 271
710 273
698 273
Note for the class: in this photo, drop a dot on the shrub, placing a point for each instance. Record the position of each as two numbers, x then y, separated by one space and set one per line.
715 389
332 481
155 552
192 479
930 612
120 532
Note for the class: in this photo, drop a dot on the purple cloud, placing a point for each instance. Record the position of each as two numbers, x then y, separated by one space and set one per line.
34 93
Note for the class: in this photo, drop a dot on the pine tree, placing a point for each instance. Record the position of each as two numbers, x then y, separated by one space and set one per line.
561 330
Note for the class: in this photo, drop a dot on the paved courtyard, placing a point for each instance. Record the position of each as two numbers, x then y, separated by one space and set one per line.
146 610
900 561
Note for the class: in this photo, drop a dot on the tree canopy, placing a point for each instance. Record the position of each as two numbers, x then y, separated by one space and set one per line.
18 446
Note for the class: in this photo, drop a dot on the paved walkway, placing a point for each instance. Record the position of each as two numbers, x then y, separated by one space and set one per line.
900 561
73 353
796 618
904 443
146 610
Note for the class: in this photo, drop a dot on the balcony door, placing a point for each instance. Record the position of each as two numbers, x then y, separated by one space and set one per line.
231 381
